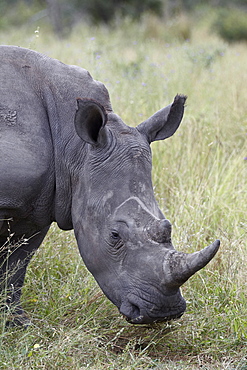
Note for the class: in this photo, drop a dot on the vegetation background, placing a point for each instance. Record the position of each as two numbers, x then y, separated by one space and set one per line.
199 177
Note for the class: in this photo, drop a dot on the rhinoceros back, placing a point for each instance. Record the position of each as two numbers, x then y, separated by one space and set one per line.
25 138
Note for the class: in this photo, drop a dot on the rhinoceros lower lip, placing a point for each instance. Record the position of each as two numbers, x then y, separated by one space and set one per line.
148 320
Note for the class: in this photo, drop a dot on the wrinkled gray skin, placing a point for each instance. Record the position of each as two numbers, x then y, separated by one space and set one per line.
66 157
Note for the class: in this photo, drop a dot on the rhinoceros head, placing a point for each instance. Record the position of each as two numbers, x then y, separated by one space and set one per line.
123 237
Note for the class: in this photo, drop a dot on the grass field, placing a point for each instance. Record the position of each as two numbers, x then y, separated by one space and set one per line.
199 177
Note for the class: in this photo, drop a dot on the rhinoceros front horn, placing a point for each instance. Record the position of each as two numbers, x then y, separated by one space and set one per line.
179 267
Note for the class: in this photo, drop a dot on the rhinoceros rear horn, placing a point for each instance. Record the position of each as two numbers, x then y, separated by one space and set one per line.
90 118
179 267
160 231
165 122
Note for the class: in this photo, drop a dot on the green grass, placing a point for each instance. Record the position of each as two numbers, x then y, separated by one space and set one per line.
199 177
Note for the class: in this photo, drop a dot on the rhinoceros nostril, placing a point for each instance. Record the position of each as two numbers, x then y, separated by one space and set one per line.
130 311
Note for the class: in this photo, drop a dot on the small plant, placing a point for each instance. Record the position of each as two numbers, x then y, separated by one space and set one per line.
105 11
231 25
204 56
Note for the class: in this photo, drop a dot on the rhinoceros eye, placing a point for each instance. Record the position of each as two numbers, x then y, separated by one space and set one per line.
115 235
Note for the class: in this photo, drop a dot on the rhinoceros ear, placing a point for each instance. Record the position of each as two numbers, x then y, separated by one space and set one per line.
90 119
165 122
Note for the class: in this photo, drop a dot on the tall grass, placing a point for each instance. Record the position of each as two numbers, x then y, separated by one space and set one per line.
199 176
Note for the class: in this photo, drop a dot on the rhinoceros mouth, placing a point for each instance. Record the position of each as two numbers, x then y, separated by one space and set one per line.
138 312
150 320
